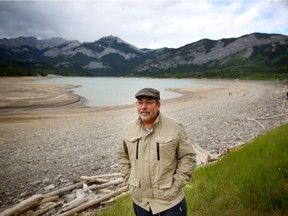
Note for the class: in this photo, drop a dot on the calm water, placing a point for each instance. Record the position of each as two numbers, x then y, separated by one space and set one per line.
106 91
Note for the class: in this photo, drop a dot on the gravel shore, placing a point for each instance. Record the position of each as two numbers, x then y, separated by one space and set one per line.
40 147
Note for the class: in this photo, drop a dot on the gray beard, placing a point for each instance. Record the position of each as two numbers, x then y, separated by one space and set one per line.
146 118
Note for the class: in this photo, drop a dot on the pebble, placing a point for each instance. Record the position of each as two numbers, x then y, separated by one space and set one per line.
46 181
24 194
49 188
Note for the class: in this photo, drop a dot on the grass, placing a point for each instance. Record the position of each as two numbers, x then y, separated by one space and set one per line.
252 180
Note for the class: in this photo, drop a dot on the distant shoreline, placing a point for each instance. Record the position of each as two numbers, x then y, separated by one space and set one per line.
20 94
115 91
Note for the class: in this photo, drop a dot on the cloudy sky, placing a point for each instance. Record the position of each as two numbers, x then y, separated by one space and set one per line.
142 23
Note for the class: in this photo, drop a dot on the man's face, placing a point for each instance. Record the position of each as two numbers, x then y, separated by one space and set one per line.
147 109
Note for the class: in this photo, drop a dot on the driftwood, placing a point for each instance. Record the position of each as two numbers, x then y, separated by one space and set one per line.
49 199
266 118
111 183
203 156
63 190
74 204
90 192
250 119
271 117
45 209
101 176
23 206
94 202
95 180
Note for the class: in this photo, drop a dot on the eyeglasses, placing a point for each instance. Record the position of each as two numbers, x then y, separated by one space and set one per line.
148 103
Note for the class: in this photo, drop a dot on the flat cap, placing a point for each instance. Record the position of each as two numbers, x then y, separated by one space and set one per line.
148 92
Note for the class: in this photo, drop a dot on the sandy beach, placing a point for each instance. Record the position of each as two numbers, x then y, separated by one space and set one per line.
48 137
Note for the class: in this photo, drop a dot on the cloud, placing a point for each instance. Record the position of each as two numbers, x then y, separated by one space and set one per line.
143 23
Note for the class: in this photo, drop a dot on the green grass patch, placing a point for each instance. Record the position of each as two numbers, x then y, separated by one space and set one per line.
122 206
252 180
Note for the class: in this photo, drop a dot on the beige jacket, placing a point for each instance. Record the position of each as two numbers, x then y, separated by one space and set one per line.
156 165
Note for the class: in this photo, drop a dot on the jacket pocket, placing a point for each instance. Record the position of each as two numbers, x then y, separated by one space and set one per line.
133 143
134 181
165 183
166 148
167 190
164 139
134 187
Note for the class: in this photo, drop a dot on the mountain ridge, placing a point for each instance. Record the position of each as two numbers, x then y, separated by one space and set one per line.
112 56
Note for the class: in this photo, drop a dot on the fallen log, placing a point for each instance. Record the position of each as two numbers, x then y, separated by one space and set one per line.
49 199
23 206
250 119
42 203
104 175
45 209
105 185
63 190
203 156
74 204
95 202
95 180
271 117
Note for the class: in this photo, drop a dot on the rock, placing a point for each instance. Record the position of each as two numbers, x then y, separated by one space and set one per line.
24 194
58 178
28 213
49 188
35 183
70 197
46 181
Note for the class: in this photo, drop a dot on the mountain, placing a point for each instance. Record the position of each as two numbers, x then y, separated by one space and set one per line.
255 55
107 56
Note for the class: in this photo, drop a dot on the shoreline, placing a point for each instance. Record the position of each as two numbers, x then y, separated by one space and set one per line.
48 99
23 93
60 96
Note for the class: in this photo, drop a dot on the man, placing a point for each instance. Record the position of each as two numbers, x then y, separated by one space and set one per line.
155 159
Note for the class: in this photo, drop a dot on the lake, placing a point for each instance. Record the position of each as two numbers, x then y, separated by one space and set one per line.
113 91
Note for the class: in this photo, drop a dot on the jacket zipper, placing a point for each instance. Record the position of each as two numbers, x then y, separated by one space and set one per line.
158 151
137 148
